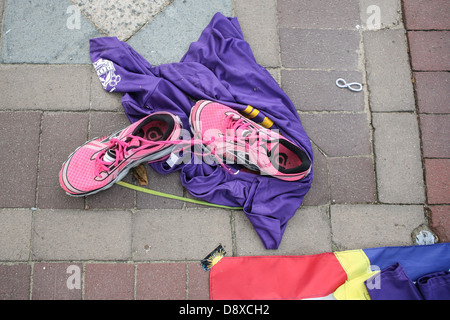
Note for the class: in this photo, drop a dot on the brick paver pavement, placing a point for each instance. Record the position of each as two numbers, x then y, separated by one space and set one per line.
429 40
381 156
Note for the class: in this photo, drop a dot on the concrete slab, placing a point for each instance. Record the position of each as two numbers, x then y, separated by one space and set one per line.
388 71
120 19
307 232
259 24
320 49
15 234
319 194
101 99
312 90
346 134
2 7
168 36
171 234
45 87
380 14
81 235
45 31
398 158
169 183
19 158
332 14
352 180
367 226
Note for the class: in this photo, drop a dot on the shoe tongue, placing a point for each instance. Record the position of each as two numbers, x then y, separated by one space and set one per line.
110 156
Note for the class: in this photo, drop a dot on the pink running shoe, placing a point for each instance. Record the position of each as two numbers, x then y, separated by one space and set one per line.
101 162
233 139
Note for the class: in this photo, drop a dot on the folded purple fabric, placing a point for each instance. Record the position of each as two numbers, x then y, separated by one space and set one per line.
435 286
394 284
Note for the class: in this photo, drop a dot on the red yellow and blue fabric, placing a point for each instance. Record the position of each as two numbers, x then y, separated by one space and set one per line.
339 275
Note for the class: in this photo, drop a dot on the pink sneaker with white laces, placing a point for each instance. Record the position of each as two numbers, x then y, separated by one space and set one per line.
234 139
101 162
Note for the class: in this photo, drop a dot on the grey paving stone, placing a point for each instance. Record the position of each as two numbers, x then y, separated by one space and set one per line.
338 134
188 195
368 226
120 19
171 234
15 234
388 71
116 197
101 99
259 24
332 14
319 49
319 193
32 87
352 180
45 31
62 134
397 158
2 6
312 90
19 158
163 183
308 232
168 36
390 14
105 123
276 74
81 235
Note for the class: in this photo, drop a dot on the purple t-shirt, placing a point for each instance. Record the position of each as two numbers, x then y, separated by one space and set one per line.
220 67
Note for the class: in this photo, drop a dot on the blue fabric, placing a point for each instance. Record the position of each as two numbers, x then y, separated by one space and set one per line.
415 260
220 66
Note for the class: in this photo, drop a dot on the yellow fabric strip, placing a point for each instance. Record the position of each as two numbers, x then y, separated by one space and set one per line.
267 123
248 110
357 266
253 114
